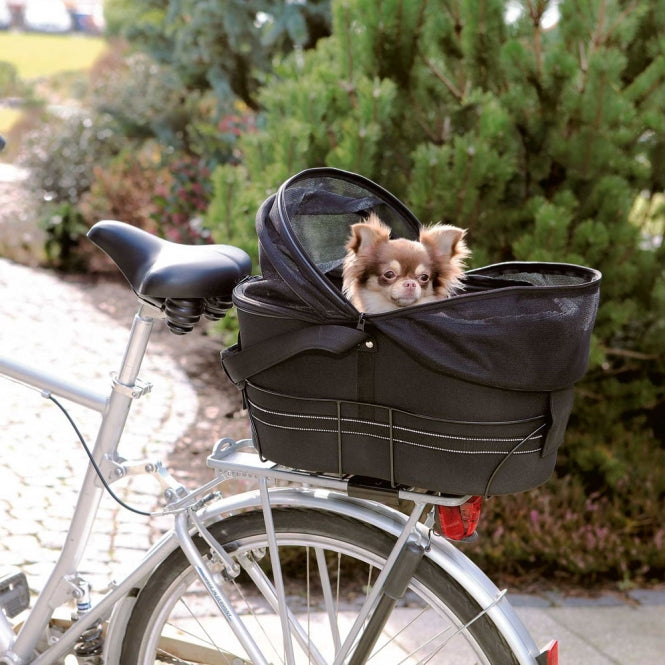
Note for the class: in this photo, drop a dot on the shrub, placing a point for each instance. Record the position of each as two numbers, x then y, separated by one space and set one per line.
64 227
181 202
61 154
10 83
124 189
539 142
148 101
145 99
224 46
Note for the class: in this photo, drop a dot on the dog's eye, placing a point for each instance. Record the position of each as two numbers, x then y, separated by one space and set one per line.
424 278
389 274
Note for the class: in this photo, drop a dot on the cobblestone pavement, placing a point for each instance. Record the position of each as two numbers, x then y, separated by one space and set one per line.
48 324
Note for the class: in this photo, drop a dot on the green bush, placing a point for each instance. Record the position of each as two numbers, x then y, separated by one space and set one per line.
124 188
64 227
224 46
129 156
10 83
62 152
148 100
182 201
61 155
539 142
145 99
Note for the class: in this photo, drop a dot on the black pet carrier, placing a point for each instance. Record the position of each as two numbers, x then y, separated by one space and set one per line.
468 395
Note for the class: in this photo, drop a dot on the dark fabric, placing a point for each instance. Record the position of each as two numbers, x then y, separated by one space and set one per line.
243 363
523 326
523 337
519 337
470 394
303 231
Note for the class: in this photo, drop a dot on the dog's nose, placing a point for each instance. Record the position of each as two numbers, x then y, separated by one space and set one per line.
409 284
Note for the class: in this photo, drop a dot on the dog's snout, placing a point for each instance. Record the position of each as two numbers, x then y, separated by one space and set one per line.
409 284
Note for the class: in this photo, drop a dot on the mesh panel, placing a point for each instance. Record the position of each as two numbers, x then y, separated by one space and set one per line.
321 210
523 326
555 276
521 338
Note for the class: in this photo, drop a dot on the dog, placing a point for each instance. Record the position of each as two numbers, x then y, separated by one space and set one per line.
381 275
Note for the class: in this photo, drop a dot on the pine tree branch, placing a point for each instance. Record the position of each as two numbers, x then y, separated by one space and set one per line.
347 34
622 17
626 353
536 12
597 36
582 17
444 79
421 20
461 194
434 137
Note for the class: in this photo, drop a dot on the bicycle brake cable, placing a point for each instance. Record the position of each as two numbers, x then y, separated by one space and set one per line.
98 471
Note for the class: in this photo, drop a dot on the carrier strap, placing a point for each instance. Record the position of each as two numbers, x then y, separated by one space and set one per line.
241 364
561 404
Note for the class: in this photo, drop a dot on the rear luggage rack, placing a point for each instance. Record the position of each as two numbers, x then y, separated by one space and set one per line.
239 459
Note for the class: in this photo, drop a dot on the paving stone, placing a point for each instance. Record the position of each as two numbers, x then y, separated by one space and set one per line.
49 325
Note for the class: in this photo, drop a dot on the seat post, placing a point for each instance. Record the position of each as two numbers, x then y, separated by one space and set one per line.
137 344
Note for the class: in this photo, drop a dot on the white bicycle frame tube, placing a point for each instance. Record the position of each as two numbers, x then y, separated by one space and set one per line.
49 383
114 410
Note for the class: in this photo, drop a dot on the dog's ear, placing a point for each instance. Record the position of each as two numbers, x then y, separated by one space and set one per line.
445 239
367 234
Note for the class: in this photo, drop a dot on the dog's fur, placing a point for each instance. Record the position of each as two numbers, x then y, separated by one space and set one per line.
381 274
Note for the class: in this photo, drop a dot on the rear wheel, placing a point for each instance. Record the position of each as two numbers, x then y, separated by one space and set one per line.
329 562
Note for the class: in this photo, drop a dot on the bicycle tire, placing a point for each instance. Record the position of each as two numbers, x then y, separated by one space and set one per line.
173 582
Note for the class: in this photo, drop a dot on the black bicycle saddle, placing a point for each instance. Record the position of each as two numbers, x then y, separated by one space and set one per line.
158 269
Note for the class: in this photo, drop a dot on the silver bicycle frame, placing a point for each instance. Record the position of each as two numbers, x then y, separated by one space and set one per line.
322 494
114 410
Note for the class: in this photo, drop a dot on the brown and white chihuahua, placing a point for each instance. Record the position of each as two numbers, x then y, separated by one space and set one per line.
381 274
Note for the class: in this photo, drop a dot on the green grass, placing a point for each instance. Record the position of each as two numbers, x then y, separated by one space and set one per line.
35 55
7 118
42 56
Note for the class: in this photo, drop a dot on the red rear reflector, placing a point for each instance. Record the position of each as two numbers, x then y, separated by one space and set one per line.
459 522
549 655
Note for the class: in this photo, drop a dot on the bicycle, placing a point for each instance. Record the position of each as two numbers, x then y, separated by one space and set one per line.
261 576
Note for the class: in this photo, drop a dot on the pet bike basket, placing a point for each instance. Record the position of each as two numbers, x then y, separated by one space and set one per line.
468 395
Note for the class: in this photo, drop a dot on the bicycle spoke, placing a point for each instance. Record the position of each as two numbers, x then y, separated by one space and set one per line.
269 593
394 637
244 560
329 603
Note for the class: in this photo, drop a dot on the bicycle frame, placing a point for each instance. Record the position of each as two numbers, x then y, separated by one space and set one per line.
193 510
59 586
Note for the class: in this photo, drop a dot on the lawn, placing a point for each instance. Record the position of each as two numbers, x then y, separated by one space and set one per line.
35 55
38 55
